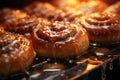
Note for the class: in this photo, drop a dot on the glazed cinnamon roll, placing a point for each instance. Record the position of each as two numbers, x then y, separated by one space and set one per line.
59 39
16 53
102 27
40 9
23 26
65 15
72 15
46 10
115 8
8 15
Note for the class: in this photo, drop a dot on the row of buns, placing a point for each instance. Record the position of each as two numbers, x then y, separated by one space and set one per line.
54 30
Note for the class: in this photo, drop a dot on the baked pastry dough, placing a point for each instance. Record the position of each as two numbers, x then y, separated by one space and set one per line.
16 53
59 39
102 27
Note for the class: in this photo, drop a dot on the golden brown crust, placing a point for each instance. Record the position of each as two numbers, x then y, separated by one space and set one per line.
102 27
16 53
59 39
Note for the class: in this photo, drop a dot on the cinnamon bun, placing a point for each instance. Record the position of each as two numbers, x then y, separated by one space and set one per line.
46 10
65 15
8 15
23 26
75 14
16 53
59 39
40 9
102 27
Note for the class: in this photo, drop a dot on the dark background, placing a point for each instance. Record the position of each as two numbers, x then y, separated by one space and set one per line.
22 3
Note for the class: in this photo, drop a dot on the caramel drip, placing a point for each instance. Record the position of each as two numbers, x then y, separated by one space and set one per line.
102 19
57 31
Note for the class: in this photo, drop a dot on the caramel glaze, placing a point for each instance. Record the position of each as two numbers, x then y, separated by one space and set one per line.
102 27
23 26
16 53
115 8
8 15
59 39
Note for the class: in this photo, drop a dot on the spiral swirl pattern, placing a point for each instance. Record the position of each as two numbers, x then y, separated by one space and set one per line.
52 40
102 27
57 32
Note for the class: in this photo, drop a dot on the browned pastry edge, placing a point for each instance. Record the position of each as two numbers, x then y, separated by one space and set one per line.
16 53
